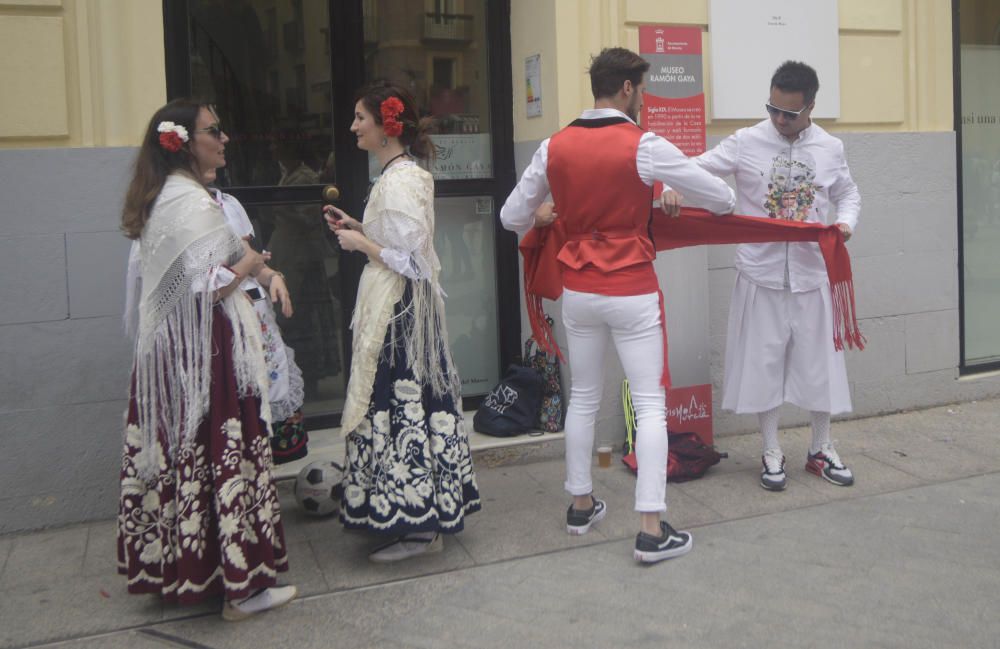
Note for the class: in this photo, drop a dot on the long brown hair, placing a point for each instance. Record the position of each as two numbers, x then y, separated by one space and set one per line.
414 135
154 163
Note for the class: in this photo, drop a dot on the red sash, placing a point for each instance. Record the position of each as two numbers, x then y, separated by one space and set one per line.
543 271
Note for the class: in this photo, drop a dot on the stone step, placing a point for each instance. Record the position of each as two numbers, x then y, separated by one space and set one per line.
327 444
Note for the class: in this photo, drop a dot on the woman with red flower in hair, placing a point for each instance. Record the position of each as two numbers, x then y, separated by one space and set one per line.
198 514
409 471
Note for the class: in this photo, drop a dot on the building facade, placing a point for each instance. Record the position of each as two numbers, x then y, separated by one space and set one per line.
82 77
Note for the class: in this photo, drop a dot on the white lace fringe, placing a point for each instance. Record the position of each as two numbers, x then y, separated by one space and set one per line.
425 337
173 357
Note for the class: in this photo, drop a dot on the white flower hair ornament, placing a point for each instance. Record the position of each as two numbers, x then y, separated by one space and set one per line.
172 136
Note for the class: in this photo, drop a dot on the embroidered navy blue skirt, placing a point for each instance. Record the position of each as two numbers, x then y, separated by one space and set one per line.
409 468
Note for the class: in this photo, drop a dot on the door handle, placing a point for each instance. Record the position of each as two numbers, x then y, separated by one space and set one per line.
331 193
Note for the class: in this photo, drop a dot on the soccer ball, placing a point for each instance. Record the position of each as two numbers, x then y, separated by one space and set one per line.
318 488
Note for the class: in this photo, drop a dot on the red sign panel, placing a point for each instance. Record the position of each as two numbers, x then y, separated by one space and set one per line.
655 39
689 410
674 106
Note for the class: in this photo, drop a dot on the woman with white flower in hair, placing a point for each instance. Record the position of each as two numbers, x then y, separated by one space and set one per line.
409 471
198 514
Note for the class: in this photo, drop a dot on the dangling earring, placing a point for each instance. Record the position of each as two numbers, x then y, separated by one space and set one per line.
385 141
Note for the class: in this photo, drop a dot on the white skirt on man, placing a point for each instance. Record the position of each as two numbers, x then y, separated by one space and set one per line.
779 348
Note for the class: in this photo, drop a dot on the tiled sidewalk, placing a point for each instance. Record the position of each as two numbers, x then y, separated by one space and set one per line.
62 584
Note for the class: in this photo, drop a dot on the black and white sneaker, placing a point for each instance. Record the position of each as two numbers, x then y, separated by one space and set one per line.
578 521
670 544
772 475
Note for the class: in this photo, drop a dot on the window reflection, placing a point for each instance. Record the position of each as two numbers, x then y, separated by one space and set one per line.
301 249
463 240
436 48
266 64
980 88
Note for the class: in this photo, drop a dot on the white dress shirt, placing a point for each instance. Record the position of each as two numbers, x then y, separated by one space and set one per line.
656 160
800 180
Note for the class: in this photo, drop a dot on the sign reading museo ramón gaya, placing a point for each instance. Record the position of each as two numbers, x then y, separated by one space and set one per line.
674 106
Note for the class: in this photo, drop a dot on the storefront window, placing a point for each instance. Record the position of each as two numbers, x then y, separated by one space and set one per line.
464 242
301 249
437 50
282 74
980 127
266 64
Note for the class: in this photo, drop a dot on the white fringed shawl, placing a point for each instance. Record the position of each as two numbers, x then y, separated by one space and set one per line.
184 242
401 206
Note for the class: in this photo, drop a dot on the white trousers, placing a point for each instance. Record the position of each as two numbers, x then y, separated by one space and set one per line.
633 324
779 347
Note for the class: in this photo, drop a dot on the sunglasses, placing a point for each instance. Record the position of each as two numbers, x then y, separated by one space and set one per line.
214 130
790 115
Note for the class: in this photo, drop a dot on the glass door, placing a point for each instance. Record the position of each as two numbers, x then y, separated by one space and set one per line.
283 75
978 125
438 50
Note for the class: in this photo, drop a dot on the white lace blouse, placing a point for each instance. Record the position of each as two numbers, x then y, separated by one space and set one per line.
400 218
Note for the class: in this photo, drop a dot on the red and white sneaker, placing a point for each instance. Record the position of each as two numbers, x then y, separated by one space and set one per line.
826 464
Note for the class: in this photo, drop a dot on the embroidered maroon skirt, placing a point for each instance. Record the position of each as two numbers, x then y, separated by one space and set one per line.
209 523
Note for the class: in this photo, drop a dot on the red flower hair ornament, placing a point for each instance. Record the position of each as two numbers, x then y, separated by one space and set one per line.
172 136
391 109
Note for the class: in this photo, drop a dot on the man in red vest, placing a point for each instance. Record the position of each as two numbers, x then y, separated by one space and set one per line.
600 171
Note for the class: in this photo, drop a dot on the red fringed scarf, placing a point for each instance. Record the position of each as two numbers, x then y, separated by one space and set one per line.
543 274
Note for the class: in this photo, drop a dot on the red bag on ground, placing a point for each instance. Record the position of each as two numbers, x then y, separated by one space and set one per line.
688 458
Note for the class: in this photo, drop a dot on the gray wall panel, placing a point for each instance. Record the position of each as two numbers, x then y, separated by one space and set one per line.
91 448
63 362
879 228
941 326
96 273
930 221
884 357
62 190
34 272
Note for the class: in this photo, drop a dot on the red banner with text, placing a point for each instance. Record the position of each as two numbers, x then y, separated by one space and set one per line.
675 94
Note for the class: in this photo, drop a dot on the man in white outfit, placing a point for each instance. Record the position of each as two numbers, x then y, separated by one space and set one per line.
779 345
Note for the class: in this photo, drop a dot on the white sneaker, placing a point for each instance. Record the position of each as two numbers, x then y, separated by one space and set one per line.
772 476
407 546
262 600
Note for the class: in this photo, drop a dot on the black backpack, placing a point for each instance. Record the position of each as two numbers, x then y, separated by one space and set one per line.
511 408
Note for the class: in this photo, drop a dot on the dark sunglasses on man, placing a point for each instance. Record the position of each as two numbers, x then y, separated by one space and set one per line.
790 115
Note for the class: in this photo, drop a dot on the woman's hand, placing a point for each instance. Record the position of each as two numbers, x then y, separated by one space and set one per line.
337 219
351 240
279 293
545 214
252 261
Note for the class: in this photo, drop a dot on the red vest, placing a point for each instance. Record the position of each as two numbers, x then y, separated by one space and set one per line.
604 208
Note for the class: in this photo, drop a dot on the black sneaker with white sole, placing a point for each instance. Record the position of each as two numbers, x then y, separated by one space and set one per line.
669 544
578 521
